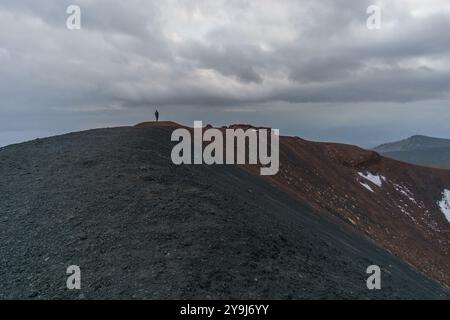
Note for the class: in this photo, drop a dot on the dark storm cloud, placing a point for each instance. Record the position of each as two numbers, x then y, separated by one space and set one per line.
313 51
240 61
219 54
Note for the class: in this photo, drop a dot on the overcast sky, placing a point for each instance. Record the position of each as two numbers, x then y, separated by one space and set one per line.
310 68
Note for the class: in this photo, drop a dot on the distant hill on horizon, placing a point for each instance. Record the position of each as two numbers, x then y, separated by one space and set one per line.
416 142
420 150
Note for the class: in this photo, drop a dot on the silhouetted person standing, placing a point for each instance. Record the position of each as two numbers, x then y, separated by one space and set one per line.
157 115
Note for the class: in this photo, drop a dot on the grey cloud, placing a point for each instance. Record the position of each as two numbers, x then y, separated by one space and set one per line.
217 54
239 61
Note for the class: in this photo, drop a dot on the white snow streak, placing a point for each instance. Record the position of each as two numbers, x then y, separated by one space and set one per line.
375 179
366 186
444 204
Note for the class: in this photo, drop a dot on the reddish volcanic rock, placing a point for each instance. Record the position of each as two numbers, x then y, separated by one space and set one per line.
159 124
394 203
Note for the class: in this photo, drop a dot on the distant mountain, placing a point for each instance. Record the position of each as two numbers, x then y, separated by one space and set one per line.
414 143
437 157
421 150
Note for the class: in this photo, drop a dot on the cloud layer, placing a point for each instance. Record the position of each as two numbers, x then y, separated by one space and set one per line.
220 56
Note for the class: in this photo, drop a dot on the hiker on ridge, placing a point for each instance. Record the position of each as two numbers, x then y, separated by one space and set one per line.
157 115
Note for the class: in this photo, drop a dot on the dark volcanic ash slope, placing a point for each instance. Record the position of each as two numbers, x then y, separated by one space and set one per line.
111 202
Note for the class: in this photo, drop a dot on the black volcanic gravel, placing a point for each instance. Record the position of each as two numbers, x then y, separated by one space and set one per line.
111 202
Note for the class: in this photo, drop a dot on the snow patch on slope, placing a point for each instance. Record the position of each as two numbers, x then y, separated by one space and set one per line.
366 186
444 204
375 179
